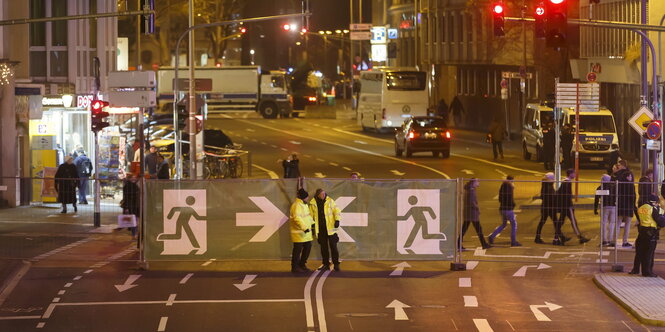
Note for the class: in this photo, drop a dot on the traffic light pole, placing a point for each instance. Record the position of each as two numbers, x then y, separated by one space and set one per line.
98 206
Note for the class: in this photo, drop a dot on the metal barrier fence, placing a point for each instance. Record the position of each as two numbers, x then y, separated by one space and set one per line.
381 219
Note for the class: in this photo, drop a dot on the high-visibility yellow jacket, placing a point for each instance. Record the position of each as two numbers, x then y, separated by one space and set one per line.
645 213
332 214
300 221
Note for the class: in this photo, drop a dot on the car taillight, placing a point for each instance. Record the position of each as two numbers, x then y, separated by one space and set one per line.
447 134
312 99
383 114
412 135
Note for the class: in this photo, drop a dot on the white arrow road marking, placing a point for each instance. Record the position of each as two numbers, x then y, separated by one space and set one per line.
352 219
467 172
504 174
319 175
246 283
482 253
128 284
270 217
522 271
465 282
295 142
360 142
400 314
399 269
470 301
540 316
482 325
396 172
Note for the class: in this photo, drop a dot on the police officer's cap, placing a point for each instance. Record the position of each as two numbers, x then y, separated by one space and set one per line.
653 198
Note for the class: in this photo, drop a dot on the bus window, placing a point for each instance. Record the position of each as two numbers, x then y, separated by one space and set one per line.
406 81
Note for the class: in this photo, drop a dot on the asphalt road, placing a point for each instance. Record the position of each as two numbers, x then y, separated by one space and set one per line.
81 281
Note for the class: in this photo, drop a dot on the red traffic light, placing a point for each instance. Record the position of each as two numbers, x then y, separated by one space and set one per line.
556 2
540 11
98 105
498 8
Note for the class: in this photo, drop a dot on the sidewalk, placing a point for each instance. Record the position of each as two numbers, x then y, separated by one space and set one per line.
643 297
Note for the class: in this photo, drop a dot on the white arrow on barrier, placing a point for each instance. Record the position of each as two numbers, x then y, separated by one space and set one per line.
522 271
399 269
540 316
400 314
356 219
128 284
246 283
271 218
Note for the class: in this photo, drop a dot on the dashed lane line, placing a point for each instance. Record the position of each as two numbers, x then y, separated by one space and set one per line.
372 153
464 282
482 325
16 278
170 301
208 262
162 324
470 265
186 278
511 325
19 317
470 301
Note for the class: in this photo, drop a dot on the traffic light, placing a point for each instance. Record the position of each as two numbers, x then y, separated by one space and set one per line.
539 17
97 114
556 12
183 116
243 30
498 12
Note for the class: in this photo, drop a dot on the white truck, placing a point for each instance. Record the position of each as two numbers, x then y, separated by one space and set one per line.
242 88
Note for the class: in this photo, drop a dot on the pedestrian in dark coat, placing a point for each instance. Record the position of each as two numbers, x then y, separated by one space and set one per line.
506 209
472 212
549 145
547 206
442 110
645 187
131 199
66 181
163 169
457 110
566 209
608 218
497 133
626 199
291 167
567 137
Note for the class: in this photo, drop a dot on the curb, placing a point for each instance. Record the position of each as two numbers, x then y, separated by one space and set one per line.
628 307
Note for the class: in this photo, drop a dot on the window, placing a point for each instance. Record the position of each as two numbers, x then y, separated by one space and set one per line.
38 63
59 63
93 24
406 81
59 28
37 30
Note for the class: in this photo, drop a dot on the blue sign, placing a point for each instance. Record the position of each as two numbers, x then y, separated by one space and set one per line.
392 34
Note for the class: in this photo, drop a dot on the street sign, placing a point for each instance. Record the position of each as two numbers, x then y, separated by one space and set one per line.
586 95
132 89
653 145
522 72
393 34
360 26
361 35
504 94
379 35
591 77
654 130
504 83
643 115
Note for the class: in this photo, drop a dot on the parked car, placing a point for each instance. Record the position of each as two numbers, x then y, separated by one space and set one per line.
423 133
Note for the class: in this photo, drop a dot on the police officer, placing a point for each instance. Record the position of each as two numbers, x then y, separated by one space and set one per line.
326 222
549 144
651 218
301 224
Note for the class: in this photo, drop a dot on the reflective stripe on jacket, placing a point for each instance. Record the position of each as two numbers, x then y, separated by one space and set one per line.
300 221
645 212
331 211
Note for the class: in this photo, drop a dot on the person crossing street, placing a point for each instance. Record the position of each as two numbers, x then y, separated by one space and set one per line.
548 205
506 209
566 209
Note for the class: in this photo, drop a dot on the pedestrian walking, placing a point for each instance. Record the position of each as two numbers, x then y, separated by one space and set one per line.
566 143
326 217
66 181
131 199
151 162
645 187
497 133
549 146
547 205
291 167
163 168
626 199
506 209
442 110
608 217
566 209
472 212
300 224
84 169
650 216
457 110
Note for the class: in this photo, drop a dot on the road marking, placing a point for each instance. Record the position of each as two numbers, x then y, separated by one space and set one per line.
264 143
169 302
320 160
455 325
309 310
399 269
347 168
246 283
273 146
57 250
464 282
361 142
129 283
372 153
271 174
470 301
295 142
482 253
522 270
87 271
69 284
502 173
396 172
62 292
511 325
56 300
78 277
19 317
284 149
467 171
162 324
540 316
333 164
319 302
41 325
9 287
186 278
470 265
482 325
631 330
307 156
250 130
400 314
319 175
208 262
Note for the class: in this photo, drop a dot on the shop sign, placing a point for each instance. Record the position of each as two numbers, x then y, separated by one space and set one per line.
83 101
64 101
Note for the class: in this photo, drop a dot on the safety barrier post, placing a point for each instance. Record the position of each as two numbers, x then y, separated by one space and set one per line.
457 264
616 267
